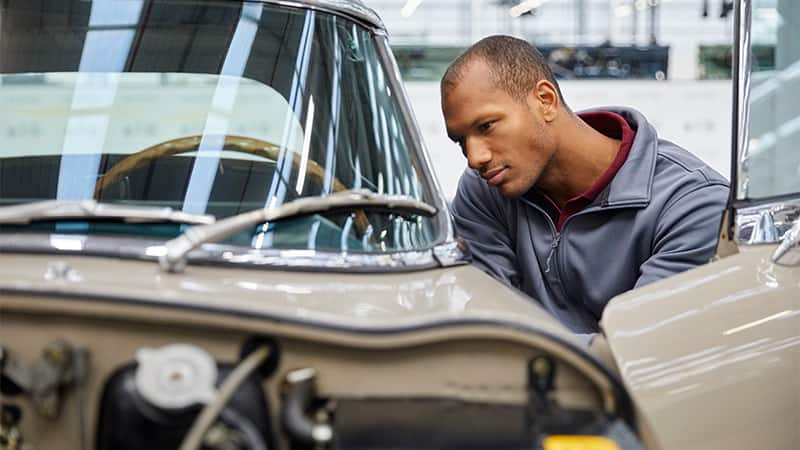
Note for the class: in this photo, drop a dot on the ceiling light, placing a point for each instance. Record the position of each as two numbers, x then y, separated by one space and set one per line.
525 6
623 11
409 8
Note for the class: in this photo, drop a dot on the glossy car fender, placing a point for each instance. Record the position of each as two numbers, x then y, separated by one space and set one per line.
712 355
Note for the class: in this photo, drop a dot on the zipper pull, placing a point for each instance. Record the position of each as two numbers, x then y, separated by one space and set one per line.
553 247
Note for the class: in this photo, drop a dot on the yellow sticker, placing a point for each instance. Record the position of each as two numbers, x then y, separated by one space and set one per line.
579 443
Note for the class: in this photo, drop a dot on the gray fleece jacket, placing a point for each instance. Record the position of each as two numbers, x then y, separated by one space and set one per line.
660 215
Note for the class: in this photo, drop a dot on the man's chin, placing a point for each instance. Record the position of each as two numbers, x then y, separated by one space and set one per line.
509 190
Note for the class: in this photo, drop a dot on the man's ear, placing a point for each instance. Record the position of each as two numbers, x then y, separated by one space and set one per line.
545 97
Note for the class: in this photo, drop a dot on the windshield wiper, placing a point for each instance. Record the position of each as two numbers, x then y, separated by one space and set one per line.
174 257
90 209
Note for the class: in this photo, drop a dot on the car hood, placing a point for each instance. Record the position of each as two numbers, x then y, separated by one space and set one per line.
705 352
375 302
417 313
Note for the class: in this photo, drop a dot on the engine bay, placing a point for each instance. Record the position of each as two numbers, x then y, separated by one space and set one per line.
84 373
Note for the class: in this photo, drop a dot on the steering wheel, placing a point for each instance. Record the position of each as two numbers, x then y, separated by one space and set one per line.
240 144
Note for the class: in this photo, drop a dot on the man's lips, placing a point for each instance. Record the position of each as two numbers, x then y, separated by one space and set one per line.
495 176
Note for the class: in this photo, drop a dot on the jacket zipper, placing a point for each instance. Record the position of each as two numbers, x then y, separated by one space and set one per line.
558 234
553 248
557 241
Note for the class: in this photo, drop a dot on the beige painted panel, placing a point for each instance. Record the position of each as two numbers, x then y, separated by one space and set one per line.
468 367
360 301
713 355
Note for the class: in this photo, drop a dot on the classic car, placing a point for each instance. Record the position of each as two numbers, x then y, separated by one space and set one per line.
219 229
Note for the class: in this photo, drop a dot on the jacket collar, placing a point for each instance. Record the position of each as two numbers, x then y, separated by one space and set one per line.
632 185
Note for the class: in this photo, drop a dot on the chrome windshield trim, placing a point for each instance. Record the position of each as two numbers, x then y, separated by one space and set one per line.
352 9
740 182
26 213
174 258
315 260
453 253
766 223
150 250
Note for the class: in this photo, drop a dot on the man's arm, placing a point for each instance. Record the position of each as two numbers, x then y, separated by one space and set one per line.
687 232
482 222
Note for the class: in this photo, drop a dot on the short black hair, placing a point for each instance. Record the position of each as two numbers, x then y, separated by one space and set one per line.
515 64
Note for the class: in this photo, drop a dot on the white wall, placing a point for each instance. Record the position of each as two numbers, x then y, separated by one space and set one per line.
693 114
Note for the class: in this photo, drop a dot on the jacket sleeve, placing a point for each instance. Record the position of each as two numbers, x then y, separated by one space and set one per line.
482 222
686 234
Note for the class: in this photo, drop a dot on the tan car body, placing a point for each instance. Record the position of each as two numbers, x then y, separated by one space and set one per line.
710 356
452 333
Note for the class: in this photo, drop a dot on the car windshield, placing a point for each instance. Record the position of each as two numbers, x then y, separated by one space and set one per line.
770 165
207 107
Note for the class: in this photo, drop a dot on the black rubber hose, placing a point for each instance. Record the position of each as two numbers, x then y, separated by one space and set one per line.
298 398
250 433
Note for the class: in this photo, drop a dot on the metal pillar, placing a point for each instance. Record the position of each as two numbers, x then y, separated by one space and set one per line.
654 24
580 21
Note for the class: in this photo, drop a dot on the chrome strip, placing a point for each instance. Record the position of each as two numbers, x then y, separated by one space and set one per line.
174 259
316 260
743 97
444 255
25 213
767 223
352 9
787 253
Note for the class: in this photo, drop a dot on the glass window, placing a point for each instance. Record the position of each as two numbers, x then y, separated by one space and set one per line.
771 165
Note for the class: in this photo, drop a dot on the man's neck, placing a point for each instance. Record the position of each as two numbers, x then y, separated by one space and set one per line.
578 161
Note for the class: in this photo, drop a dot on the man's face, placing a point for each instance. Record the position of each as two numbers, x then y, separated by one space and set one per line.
505 139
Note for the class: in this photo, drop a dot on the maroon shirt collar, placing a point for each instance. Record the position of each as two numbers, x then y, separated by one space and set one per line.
614 126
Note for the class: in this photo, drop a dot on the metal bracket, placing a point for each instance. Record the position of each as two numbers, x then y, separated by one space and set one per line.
60 365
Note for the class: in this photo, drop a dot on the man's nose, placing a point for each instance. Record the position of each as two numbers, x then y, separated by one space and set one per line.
477 154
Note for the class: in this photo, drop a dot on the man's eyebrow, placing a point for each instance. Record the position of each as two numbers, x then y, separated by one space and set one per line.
480 119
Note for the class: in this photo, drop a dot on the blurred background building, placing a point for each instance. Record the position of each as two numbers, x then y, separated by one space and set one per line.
671 59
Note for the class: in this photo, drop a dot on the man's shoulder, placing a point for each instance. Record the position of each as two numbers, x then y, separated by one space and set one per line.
683 182
675 163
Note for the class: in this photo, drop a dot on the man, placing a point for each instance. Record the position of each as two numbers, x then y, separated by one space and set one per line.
573 209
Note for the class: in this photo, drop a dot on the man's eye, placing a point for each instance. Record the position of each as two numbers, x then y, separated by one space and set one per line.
485 126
